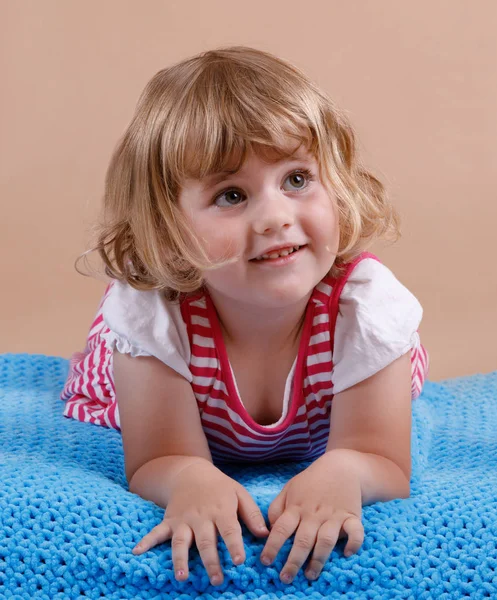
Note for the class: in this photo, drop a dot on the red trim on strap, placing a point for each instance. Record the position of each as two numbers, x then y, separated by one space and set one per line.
338 285
185 309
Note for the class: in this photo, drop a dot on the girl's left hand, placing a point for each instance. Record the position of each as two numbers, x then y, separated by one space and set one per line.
323 504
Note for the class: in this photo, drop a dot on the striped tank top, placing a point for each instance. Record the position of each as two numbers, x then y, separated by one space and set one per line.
303 429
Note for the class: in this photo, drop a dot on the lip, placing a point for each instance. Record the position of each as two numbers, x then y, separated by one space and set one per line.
277 249
281 261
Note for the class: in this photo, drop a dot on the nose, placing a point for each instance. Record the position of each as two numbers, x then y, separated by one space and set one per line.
272 213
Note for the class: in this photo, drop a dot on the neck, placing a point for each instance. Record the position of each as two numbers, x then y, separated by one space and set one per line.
269 331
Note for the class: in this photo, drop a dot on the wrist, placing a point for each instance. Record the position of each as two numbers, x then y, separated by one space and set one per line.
155 479
381 480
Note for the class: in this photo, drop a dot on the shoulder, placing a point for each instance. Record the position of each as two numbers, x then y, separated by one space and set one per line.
138 308
146 323
374 285
376 323
366 282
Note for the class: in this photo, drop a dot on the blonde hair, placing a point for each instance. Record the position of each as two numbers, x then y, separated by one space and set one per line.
204 115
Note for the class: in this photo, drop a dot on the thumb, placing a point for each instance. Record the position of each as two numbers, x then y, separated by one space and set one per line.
277 507
250 513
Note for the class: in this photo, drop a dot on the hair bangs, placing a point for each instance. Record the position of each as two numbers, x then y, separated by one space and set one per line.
217 128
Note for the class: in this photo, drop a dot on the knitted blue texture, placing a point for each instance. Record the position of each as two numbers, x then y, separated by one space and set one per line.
68 523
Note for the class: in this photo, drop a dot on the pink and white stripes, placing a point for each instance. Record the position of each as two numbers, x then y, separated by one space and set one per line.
233 435
89 389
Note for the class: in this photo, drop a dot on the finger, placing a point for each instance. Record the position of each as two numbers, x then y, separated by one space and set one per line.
280 532
206 541
354 529
160 533
230 530
305 538
326 540
250 513
277 507
181 542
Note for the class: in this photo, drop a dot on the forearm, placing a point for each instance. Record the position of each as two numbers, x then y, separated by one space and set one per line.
153 480
380 479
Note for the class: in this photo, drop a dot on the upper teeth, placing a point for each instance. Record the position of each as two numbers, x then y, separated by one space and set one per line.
284 252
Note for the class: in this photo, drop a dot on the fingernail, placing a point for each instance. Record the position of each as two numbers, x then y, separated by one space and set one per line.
287 578
265 560
238 559
311 575
138 547
180 573
215 579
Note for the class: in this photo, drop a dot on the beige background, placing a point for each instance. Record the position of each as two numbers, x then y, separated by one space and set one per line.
418 80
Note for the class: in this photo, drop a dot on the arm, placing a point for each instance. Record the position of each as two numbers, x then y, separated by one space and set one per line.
367 460
168 462
160 424
370 428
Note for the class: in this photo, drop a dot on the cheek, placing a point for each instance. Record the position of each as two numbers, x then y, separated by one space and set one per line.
220 241
325 221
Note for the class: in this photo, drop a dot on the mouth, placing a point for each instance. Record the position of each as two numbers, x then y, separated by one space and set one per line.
272 256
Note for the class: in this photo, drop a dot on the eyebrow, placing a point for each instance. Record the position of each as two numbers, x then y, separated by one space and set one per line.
215 178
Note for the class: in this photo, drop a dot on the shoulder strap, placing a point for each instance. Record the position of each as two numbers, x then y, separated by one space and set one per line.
338 285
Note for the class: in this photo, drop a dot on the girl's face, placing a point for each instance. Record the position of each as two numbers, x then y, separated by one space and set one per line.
264 210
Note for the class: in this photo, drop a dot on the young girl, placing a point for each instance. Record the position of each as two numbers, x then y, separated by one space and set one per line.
246 321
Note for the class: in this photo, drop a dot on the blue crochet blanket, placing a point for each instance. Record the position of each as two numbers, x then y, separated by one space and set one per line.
69 523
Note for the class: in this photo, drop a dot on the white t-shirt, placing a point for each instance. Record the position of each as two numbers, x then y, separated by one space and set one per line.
377 323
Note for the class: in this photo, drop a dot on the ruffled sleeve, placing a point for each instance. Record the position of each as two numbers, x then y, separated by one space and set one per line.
377 323
144 323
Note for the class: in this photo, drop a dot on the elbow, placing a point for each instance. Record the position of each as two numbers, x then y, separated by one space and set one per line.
407 483
139 481
129 478
130 484
404 481
405 491
401 479
131 472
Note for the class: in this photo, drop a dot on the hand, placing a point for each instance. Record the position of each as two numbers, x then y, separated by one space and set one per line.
204 499
323 503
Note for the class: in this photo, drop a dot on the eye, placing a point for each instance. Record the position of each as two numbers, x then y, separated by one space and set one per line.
231 197
299 178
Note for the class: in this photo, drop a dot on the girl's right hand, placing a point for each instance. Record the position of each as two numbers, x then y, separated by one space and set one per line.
203 500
